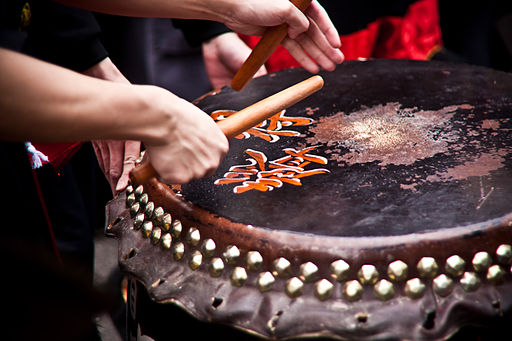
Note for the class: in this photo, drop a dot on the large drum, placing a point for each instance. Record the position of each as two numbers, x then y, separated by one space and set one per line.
378 208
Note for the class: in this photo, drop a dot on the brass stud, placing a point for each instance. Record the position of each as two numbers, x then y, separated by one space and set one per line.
193 236
265 281
368 274
138 191
147 227
293 287
504 253
427 267
130 200
178 250
443 285
397 271
148 211
129 189
134 209
384 290
470 281
496 274
156 234
352 291
158 215
195 260
216 267
239 276
208 248
282 267
308 272
481 261
455 265
414 288
323 289
166 222
138 221
143 200
177 228
254 260
339 270
231 254
166 241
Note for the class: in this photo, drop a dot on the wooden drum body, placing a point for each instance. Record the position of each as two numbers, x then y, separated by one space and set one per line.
378 208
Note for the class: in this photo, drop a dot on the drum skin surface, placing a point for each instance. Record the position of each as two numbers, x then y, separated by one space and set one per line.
378 208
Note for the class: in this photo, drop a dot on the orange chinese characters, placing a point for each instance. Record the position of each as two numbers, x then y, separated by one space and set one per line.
271 129
263 175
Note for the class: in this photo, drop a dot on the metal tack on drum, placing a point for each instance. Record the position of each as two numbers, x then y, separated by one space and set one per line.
504 253
397 271
254 260
166 222
323 289
455 266
208 247
339 270
265 281
293 287
166 241
238 276
282 267
231 254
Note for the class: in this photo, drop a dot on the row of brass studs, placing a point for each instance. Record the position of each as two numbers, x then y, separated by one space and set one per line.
160 228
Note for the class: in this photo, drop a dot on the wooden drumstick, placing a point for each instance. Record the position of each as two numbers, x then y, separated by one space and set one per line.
245 119
269 42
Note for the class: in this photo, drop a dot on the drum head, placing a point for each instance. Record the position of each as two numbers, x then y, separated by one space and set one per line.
379 207
386 148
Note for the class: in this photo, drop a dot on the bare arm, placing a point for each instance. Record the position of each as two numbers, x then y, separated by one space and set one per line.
116 158
42 102
245 15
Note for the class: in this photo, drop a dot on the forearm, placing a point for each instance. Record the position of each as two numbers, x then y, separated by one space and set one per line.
183 9
43 102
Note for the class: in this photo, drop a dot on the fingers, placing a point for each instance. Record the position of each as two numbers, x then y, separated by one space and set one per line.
131 153
296 20
318 15
319 45
300 55
261 72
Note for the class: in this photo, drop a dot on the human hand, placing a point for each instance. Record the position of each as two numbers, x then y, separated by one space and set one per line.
223 56
313 46
187 143
115 158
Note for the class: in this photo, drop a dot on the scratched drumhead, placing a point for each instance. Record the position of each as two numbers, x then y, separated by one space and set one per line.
385 148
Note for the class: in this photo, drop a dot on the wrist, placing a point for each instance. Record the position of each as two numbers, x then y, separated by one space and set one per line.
154 114
106 70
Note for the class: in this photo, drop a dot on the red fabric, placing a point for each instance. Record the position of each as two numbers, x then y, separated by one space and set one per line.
58 153
413 36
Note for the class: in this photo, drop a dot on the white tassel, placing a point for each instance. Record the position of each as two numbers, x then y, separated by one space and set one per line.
37 157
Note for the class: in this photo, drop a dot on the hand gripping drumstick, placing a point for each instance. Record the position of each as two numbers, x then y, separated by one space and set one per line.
246 119
269 42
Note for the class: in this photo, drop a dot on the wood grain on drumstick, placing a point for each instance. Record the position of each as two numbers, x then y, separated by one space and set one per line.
246 119
270 40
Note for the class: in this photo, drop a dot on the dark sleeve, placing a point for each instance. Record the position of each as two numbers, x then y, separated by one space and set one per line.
12 35
65 36
198 31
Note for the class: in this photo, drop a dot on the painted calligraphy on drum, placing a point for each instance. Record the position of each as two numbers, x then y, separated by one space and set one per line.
263 175
271 129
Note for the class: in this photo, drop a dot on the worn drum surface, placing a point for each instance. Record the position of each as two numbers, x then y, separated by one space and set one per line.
378 208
